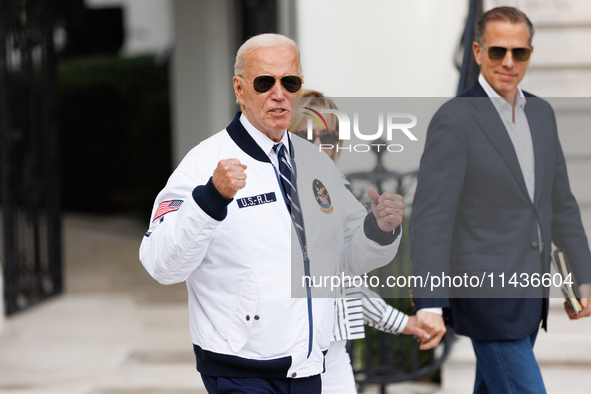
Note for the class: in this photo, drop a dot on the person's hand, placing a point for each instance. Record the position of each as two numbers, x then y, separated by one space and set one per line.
433 324
585 293
229 177
412 328
387 208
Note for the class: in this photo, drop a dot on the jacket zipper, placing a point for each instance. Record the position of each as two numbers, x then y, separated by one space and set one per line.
303 246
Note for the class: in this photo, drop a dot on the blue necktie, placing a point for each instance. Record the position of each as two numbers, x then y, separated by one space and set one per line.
288 182
285 172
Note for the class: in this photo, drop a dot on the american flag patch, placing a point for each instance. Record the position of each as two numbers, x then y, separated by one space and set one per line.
167 206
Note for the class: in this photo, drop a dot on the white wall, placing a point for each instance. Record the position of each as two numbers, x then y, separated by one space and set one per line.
371 48
380 48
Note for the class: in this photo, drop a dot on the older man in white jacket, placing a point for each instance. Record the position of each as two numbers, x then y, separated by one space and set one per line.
238 242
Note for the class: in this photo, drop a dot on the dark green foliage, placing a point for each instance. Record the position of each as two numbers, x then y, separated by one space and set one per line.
392 357
115 133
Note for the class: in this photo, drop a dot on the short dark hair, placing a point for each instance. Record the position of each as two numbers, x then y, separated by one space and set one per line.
507 14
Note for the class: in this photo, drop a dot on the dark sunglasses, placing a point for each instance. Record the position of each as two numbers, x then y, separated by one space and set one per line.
519 54
326 137
264 83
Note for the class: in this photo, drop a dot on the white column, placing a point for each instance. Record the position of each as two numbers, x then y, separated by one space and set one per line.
201 73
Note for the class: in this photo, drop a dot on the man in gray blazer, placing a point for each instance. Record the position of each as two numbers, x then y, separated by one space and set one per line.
492 196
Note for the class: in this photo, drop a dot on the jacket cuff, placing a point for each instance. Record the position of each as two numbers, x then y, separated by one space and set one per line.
424 303
211 201
375 233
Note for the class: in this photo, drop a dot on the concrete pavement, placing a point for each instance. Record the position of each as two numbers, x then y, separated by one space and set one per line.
117 331
114 330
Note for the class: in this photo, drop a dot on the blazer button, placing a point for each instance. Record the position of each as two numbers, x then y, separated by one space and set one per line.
534 245
247 317
293 375
256 317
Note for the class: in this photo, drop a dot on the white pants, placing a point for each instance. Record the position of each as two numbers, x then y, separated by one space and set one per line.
338 377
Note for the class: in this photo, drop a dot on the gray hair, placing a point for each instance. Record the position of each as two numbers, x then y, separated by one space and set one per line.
268 40
506 14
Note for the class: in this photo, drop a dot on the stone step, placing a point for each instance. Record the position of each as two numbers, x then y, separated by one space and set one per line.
558 83
548 19
573 116
555 61
542 7
586 217
580 180
562 47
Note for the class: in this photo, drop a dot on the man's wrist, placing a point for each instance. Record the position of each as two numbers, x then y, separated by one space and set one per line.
375 233
211 200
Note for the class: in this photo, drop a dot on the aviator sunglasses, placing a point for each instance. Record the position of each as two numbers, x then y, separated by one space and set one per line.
326 137
264 83
519 54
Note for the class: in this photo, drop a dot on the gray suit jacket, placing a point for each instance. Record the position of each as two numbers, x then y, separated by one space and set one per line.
472 212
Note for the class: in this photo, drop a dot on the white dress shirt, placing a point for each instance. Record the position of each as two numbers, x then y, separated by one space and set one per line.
265 142
517 127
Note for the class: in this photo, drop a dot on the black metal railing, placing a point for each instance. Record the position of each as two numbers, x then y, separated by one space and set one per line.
29 177
383 358
468 67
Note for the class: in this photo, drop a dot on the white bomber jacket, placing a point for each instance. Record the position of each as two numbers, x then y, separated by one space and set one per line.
248 318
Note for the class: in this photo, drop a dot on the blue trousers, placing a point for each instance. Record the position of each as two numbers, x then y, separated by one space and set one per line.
217 385
507 367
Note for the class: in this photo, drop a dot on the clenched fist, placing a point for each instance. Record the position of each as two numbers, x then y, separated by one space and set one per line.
412 328
387 208
229 177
